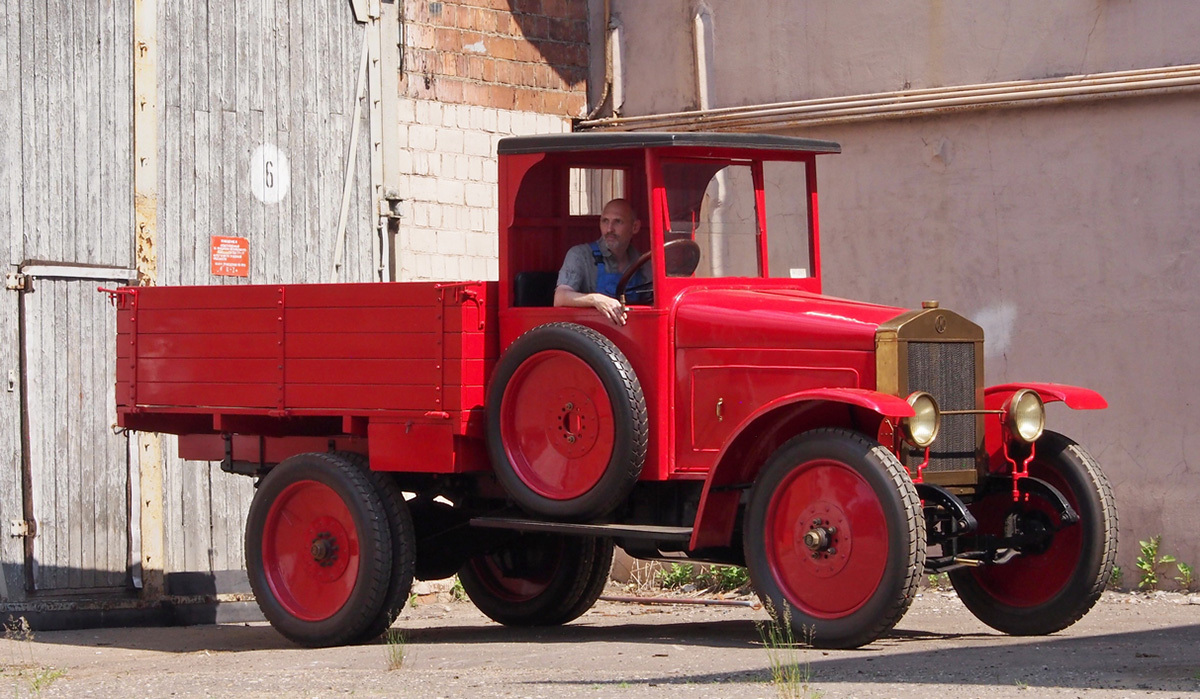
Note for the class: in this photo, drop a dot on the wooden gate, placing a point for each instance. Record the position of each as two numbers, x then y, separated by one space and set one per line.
78 478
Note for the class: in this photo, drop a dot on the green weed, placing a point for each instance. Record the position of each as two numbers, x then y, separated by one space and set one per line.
790 676
1149 561
1116 578
44 677
457 591
939 581
678 575
21 665
1186 577
723 578
396 643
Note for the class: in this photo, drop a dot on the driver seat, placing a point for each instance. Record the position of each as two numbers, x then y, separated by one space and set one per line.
534 288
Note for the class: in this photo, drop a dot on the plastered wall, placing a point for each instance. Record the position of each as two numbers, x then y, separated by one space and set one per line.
1066 230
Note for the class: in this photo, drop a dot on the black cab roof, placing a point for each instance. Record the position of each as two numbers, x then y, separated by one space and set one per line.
659 139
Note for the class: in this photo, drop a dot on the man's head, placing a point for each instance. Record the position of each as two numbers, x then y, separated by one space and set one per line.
618 225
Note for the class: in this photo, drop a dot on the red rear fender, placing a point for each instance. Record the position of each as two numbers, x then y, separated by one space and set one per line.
766 430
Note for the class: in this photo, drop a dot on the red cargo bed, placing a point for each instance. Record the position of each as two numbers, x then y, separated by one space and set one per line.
310 359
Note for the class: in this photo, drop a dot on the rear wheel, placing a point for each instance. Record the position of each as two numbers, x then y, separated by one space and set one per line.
539 580
318 550
1059 575
834 538
404 545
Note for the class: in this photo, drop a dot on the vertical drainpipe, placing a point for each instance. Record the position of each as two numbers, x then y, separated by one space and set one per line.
389 111
702 37
616 50
145 196
702 34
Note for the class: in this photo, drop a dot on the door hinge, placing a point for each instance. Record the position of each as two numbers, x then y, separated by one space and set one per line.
14 281
22 528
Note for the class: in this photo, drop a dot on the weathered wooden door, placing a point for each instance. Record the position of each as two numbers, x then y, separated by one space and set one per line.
77 468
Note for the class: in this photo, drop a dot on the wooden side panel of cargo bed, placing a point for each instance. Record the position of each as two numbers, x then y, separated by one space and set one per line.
202 346
324 349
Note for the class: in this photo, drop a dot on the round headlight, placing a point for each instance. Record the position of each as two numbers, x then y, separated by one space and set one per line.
921 429
1025 415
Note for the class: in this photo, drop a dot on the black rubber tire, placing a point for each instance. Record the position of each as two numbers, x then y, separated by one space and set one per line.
1066 465
369 519
404 545
595 579
630 423
900 515
570 571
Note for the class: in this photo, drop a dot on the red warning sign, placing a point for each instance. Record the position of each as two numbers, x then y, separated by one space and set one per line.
230 256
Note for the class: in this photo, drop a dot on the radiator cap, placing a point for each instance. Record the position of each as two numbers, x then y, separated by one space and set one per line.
929 304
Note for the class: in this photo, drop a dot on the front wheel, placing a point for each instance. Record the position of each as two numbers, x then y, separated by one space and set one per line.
834 538
539 580
1056 580
318 550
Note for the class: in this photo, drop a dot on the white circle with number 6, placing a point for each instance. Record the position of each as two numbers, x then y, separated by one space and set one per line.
269 174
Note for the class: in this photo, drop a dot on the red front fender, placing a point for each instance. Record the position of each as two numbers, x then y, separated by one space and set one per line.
1075 397
772 424
994 398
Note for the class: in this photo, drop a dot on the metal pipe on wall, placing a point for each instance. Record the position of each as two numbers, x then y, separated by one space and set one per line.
910 103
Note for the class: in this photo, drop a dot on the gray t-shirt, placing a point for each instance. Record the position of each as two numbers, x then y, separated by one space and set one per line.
579 267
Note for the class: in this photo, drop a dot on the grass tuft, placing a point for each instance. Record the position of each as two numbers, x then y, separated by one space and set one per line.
396 643
790 676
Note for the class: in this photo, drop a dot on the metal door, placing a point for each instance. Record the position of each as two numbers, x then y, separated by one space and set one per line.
77 475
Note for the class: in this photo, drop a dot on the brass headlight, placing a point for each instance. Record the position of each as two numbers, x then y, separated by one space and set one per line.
921 429
1025 415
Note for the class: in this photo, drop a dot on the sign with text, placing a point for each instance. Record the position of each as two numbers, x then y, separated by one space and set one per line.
230 256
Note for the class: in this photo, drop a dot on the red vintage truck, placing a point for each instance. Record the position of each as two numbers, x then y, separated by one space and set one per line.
837 449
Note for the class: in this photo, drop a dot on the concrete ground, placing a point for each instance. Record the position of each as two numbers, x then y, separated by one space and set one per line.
1128 646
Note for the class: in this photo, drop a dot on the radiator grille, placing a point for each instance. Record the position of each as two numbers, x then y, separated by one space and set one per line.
946 370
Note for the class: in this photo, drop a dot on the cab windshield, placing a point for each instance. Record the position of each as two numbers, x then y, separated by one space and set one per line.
715 203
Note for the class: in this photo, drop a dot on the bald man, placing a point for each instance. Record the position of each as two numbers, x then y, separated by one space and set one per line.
589 275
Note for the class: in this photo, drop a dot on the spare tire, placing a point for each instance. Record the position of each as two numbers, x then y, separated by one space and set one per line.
566 423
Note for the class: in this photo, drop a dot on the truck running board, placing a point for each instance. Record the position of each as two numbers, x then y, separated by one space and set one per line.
628 531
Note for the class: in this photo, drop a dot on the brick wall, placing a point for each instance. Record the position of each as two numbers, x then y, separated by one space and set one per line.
448 226
475 71
522 55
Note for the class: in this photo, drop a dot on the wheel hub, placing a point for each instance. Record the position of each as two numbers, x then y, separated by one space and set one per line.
822 538
819 538
573 421
324 549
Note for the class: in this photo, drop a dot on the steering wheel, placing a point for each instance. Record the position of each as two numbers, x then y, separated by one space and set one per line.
682 256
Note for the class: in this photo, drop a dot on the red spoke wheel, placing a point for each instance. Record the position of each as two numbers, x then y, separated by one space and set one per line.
539 579
835 538
1054 582
567 424
318 550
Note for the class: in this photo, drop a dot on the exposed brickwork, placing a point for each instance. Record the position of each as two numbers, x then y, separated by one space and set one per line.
523 55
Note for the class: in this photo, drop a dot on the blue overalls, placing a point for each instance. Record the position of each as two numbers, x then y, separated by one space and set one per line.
606 282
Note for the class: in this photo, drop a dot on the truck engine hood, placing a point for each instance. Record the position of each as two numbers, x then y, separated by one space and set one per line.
776 318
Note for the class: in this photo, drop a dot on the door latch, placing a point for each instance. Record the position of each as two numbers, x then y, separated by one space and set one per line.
14 281
22 528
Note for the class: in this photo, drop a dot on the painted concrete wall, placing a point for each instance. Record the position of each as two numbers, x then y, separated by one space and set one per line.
1067 231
